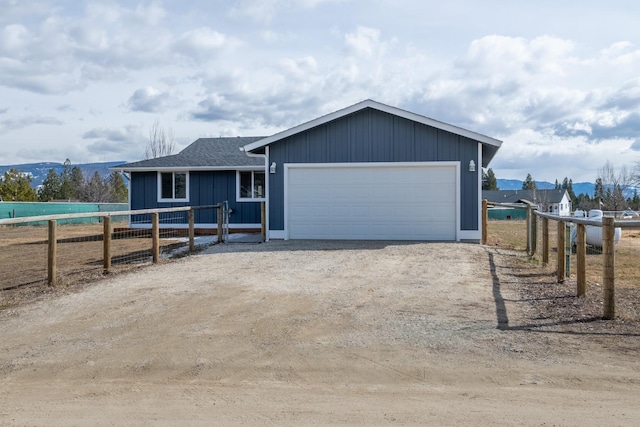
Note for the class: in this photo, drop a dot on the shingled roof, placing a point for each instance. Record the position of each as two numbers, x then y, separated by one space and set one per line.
204 153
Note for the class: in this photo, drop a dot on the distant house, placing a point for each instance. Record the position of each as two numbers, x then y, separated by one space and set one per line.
555 202
367 172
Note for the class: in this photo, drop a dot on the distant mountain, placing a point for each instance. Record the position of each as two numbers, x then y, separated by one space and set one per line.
578 187
39 171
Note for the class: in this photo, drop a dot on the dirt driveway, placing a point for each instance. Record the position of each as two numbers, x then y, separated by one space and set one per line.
307 334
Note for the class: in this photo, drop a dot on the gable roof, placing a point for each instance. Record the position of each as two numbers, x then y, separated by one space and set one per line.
490 145
515 196
203 154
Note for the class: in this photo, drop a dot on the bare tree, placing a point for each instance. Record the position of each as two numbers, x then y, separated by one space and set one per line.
161 142
613 185
635 175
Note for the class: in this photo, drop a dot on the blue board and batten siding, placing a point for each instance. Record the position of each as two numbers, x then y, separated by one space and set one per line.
205 188
371 135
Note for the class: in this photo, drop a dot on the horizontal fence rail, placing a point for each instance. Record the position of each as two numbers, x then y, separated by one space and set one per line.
48 248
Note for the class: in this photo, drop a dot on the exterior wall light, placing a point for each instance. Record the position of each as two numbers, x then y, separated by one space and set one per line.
472 166
272 168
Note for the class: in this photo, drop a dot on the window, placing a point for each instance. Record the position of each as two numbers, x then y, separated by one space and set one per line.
251 185
173 186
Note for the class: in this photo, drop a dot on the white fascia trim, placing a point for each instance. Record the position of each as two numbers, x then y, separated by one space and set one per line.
479 169
188 168
378 106
458 200
287 166
369 165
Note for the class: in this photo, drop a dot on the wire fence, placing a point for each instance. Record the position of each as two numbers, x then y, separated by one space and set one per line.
627 251
557 243
23 255
80 248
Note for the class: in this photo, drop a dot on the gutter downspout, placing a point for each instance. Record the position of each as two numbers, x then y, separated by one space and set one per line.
267 184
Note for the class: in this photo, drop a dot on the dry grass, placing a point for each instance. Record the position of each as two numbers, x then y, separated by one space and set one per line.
513 235
23 254
557 303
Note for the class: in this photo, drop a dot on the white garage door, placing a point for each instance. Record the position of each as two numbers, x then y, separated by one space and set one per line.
371 202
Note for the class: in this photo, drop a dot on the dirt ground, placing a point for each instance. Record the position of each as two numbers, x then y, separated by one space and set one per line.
319 333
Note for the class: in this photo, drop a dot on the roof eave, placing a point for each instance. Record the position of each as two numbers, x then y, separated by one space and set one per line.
185 168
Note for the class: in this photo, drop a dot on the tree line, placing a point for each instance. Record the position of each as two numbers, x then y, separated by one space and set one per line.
610 188
69 185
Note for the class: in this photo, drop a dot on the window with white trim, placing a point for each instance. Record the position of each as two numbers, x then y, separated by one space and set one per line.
173 186
251 186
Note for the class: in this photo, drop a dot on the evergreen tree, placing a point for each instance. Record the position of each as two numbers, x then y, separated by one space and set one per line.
96 190
489 181
567 184
50 189
15 186
529 183
584 202
557 186
67 191
77 182
635 202
118 189
598 191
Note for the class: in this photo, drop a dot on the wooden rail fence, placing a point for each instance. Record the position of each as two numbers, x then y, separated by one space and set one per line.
608 225
52 241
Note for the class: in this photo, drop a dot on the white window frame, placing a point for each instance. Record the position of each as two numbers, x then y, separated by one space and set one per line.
173 189
253 175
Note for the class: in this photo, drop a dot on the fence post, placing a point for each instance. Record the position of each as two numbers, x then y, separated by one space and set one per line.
545 241
567 249
192 231
106 244
52 264
608 271
534 232
220 221
581 256
485 221
263 221
529 229
155 237
561 256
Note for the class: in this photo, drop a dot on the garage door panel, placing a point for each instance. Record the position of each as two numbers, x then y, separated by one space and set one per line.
372 203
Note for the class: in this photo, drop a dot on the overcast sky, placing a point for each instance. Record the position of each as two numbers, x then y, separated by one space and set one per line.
557 81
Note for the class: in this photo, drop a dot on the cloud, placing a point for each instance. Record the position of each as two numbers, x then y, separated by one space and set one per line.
201 44
626 126
625 98
126 142
213 109
7 125
111 134
14 39
61 53
148 100
265 11
364 41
